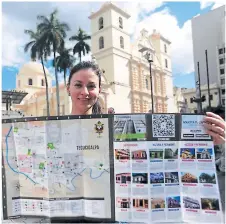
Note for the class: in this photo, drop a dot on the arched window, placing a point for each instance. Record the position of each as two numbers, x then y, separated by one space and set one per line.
166 63
121 42
101 42
101 23
42 82
165 48
120 22
30 82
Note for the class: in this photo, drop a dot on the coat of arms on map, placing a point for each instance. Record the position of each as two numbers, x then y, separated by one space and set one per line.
99 127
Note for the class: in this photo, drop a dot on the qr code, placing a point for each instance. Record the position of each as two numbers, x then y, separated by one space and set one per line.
163 125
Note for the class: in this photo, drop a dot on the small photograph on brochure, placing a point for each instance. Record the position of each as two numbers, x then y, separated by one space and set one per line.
210 204
140 178
204 153
122 154
139 154
207 178
187 153
123 202
140 203
173 202
171 153
157 178
171 178
129 127
123 178
191 203
188 178
192 127
158 203
156 154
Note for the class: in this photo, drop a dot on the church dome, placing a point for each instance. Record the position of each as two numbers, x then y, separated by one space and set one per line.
33 69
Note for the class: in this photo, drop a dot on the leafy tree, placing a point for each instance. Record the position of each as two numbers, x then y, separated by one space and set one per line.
39 50
64 61
53 33
81 46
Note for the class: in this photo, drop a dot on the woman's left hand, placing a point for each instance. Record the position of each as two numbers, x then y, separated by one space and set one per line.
215 127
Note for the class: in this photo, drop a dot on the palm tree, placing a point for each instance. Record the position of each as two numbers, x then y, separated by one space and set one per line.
64 61
53 33
39 50
81 46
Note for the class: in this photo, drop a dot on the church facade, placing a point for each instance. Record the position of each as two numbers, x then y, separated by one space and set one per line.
126 80
126 69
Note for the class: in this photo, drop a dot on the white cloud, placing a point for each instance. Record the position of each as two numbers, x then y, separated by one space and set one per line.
204 4
181 38
12 53
217 4
134 9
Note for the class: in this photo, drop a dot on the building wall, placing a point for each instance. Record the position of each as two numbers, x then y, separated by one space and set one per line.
190 93
159 44
212 23
179 100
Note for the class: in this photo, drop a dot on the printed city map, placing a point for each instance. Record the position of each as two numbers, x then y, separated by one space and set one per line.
57 168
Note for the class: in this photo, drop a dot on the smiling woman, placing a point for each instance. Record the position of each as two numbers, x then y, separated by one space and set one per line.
84 87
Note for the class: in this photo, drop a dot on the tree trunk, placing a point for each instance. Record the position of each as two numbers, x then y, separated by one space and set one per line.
80 56
65 83
47 93
57 83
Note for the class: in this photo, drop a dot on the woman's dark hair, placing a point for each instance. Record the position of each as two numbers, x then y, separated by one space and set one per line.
87 65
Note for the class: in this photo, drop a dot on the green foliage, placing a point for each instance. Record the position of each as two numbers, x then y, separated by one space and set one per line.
81 47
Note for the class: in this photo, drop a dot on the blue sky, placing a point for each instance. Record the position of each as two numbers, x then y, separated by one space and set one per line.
16 18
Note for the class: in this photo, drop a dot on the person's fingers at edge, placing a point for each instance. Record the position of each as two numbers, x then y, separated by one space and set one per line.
211 114
215 129
216 136
215 121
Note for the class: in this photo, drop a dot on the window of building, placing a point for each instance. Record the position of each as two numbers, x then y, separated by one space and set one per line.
166 63
211 97
195 111
223 91
185 100
42 82
165 48
222 71
101 42
221 51
146 83
223 101
120 22
101 23
18 83
222 81
191 100
122 42
221 61
30 82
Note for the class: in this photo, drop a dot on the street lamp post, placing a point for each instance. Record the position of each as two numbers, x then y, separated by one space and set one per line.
147 56
199 87
208 79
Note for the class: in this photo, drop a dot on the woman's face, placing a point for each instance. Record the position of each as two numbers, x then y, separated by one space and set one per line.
84 90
